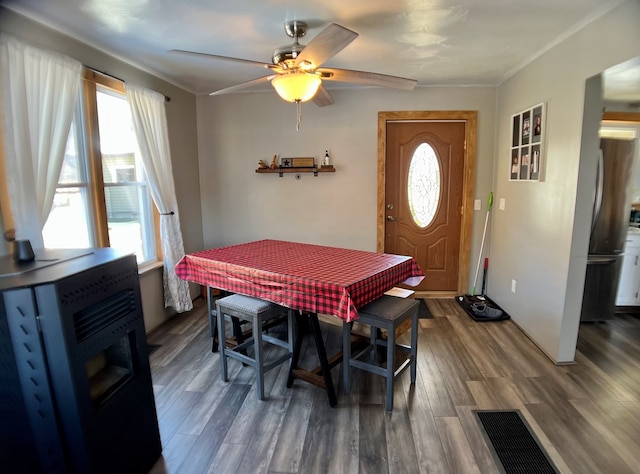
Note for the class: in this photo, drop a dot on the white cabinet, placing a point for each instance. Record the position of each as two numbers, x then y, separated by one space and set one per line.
629 283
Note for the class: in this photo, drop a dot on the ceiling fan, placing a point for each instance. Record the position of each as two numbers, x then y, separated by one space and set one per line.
296 73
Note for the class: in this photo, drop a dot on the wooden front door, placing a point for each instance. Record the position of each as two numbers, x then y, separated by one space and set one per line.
425 201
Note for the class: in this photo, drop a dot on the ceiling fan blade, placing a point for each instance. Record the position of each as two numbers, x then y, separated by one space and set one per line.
243 85
325 45
367 78
322 97
223 58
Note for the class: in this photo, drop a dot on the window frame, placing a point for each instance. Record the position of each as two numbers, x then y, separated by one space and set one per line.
96 197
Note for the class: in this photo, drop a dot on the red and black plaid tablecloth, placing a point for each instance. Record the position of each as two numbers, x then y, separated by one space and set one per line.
315 278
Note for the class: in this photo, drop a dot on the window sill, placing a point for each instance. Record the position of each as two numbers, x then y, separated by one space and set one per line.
149 266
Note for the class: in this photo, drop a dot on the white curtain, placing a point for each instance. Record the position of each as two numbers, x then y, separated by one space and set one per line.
150 123
39 95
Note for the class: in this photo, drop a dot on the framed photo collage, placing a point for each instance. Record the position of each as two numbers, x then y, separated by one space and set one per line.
527 139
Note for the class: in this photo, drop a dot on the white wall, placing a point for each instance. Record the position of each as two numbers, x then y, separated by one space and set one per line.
152 300
533 239
236 131
181 121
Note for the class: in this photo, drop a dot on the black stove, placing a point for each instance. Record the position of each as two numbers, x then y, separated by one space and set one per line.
75 383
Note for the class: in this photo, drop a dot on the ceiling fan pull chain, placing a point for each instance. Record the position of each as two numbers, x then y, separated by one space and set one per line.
299 114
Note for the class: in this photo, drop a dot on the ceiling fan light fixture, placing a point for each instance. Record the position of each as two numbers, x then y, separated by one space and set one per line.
296 86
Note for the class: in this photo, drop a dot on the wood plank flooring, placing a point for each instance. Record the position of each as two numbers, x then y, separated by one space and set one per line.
586 416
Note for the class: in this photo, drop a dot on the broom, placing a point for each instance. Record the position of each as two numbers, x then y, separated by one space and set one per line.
484 234
484 277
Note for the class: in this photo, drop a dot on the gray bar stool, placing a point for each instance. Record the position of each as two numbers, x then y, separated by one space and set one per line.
388 313
256 311
213 325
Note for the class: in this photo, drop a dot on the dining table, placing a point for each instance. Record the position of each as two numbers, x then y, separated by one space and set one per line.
312 279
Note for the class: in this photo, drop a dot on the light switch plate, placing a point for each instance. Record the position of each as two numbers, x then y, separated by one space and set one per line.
502 203
477 204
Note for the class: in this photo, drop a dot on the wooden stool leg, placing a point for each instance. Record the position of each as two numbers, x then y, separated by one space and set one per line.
257 350
222 347
414 346
290 318
391 350
346 356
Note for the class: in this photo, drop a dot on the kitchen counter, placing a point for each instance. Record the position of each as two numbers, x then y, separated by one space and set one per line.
629 282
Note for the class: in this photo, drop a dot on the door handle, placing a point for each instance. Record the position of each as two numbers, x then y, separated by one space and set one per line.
391 218
597 260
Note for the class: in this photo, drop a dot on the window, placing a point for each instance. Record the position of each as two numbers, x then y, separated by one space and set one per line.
70 208
102 198
423 189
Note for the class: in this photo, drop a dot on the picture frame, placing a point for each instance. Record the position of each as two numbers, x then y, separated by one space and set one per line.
285 162
303 162
297 162
527 155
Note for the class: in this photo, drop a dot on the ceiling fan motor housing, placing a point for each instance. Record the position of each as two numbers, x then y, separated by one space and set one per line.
287 54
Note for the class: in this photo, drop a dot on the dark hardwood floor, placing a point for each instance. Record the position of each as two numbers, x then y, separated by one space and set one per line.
586 416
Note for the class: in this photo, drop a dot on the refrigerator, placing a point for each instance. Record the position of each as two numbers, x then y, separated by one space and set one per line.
609 226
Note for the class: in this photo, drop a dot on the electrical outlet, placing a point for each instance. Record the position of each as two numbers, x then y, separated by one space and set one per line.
513 286
502 204
477 205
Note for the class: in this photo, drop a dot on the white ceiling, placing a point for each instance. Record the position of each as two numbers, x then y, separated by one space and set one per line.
622 82
436 42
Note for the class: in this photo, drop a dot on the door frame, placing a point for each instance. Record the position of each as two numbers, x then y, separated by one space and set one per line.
470 118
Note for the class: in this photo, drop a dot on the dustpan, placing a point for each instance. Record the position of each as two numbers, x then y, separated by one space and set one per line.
482 308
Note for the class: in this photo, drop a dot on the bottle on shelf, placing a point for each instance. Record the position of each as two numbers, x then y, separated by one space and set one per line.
327 160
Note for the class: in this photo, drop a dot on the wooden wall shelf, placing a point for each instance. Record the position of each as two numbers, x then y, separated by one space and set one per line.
281 171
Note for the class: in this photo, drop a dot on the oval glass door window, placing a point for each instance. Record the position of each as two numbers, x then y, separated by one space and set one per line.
423 185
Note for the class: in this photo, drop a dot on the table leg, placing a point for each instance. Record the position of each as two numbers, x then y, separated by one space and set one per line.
324 363
213 322
320 376
301 323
